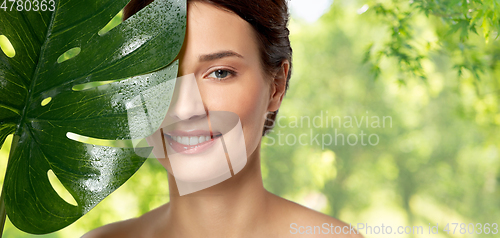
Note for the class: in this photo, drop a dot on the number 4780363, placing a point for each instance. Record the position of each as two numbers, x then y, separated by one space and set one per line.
28 5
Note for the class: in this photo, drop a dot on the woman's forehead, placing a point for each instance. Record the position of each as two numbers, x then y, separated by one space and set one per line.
212 29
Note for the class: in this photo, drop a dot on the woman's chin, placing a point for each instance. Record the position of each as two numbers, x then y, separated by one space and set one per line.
198 164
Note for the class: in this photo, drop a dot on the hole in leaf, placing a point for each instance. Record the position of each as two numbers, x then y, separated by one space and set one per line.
112 24
60 189
4 152
7 47
46 101
69 54
85 86
111 143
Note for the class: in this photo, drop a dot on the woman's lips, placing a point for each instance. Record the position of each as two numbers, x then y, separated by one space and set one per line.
192 142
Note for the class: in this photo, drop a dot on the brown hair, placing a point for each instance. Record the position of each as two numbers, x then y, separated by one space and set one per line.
269 19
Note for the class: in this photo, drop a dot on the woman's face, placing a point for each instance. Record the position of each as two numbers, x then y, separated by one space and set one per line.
220 57
221 51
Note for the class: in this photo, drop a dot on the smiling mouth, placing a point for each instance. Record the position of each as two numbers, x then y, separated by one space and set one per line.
191 143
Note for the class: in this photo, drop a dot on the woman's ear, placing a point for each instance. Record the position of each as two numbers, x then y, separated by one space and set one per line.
278 86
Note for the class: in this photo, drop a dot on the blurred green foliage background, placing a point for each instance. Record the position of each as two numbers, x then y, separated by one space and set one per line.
431 67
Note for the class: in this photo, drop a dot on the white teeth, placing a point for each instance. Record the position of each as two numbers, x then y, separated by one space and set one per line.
190 140
193 140
185 140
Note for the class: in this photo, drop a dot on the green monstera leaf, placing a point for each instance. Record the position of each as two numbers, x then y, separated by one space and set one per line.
47 101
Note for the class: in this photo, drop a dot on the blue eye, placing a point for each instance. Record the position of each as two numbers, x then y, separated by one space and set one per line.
220 74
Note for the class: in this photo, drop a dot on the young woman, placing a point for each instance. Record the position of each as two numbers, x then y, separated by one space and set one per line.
238 55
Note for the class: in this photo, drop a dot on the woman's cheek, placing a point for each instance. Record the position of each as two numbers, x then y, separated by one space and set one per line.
252 117
247 98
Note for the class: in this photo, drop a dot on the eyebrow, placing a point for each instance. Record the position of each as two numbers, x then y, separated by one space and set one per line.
219 55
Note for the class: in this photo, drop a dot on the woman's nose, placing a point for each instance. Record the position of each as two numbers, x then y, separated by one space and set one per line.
186 101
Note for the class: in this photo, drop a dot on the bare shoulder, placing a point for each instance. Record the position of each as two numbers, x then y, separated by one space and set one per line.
301 221
136 227
117 229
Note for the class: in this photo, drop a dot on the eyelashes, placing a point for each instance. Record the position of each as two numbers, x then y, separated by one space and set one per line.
221 74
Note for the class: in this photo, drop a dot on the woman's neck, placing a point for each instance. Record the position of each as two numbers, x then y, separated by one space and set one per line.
225 208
